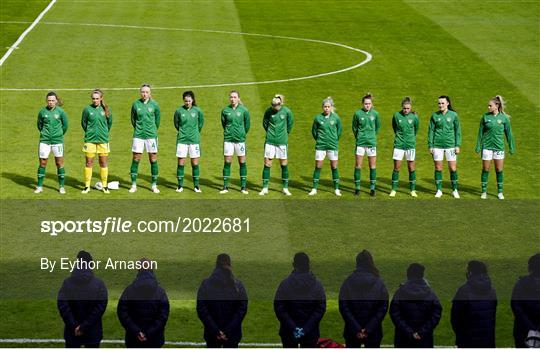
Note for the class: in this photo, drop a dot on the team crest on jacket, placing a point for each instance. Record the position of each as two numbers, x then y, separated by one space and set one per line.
102 113
448 119
282 116
332 122
499 121
150 110
56 116
238 113
372 118
193 115
409 121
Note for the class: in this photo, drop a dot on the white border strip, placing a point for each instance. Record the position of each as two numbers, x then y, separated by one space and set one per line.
368 58
16 44
121 341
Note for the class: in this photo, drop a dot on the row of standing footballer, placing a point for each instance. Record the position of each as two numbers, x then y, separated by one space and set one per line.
444 140
300 304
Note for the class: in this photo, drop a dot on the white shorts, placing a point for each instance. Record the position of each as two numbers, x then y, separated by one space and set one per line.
275 151
410 154
369 151
321 154
439 154
139 145
492 154
183 150
231 148
45 150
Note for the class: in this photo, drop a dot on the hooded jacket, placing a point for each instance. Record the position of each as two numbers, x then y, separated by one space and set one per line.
363 303
81 301
300 301
415 308
526 307
222 305
473 314
144 307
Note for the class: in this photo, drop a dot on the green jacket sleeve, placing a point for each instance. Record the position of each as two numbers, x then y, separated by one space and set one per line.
339 128
431 132
110 119
133 116
84 120
394 124
39 122
223 120
290 121
416 124
314 129
64 122
480 136
354 125
246 121
157 114
457 131
201 120
176 120
509 136
377 124
266 120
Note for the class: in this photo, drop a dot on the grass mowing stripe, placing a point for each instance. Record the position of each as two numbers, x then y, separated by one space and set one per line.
26 32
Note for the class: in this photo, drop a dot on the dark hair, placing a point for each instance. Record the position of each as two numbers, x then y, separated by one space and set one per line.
476 268
367 96
102 103
85 256
415 271
223 261
364 260
189 94
301 262
449 103
534 265
60 102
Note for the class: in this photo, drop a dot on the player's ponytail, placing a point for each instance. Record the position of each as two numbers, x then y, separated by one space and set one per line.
367 96
449 102
104 105
59 101
500 103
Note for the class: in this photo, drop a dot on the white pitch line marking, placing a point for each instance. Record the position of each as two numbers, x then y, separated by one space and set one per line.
368 58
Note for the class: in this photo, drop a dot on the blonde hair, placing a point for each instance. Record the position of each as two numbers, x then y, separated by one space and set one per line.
499 102
105 106
278 99
330 101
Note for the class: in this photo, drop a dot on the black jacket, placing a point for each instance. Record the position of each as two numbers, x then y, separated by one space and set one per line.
300 301
363 303
526 307
222 305
415 308
473 314
82 300
144 307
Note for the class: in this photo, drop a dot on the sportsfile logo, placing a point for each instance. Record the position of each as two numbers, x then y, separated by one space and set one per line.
121 225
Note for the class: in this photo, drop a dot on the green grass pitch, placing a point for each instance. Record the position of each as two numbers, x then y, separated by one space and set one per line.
469 50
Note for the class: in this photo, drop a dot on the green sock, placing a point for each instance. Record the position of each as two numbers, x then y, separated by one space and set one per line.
500 180
395 179
357 173
285 175
454 179
134 170
484 180
412 180
316 176
180 175
154 170
226 173
40 176
335 178
372 178
438 179
243 175
61 176
195 173
265 176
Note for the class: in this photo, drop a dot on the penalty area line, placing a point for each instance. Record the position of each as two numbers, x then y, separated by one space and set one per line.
28 30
